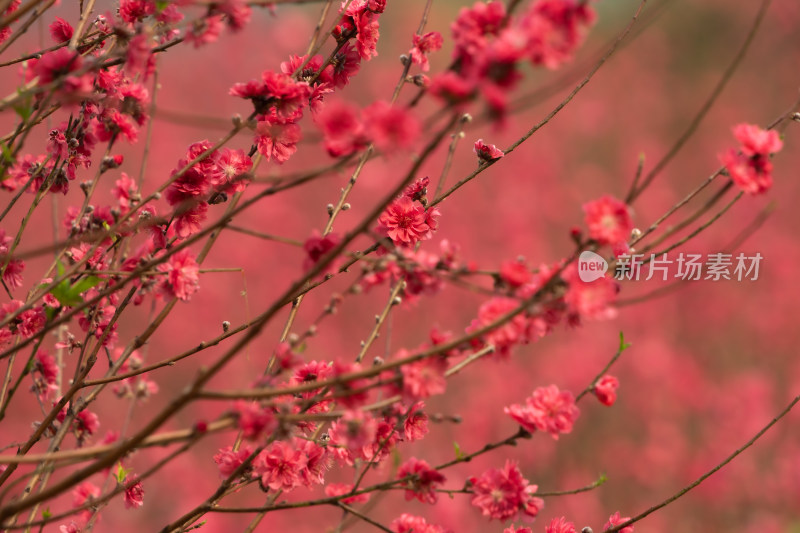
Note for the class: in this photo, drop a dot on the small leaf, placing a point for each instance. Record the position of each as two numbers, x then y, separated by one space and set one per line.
396 459
23 106
121 474
8 157
46 514
23 111
622 344
85 284
457 448
70 295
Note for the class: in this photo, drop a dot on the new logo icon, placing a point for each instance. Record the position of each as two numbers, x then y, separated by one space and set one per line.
591 266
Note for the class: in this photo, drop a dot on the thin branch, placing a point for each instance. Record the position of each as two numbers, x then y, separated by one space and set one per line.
706 107
707 475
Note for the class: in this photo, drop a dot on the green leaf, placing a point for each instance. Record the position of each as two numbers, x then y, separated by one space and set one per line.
83 285
50 312
161 5
70 295
23 106
8 157
622 344
396 458
457 448
46 513
121 474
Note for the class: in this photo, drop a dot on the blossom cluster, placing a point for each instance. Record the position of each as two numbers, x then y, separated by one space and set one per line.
294 417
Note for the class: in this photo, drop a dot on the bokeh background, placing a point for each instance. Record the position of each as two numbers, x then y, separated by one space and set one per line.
710 364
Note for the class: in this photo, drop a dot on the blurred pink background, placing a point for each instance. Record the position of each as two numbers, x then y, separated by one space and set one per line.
711 362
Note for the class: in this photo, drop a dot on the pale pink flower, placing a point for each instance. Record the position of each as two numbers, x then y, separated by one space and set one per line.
560 525
423 45
547 409
609 220
317 246
342 128
280 466
750 168
423 379
391 127
228 460
507 335
253 420
134 494
407 523
340 489
593 301
487 152
615 519
276 140
423 480
183 275
415 426
407 222
503 494
606 389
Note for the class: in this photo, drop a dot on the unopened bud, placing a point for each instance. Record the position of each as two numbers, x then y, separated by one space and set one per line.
218 198
796 117
636 233
226 326
329 207
110 162
346 206
420 80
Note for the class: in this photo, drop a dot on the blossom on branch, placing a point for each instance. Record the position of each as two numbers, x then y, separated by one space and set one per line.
547 409
503 494
750 167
